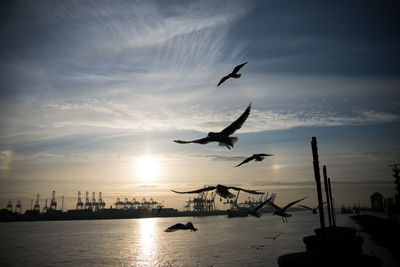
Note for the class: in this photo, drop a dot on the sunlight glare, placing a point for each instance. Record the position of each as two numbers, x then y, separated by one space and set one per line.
147 168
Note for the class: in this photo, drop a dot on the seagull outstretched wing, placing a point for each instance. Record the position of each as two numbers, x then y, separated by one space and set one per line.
292 203
196 191
238 67
245 161
245 190
202 141
223 80
175 227
237 124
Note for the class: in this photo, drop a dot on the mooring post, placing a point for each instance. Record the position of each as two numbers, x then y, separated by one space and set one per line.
328 201
318 182
332 205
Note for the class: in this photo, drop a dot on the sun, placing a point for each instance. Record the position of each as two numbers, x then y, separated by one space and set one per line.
147 168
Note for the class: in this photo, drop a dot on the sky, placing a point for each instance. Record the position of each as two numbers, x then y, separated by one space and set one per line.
93 93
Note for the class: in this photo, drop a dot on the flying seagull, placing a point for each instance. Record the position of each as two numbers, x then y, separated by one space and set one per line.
233 74
274 237
282 211
313 210
181 226
222 191
254 212
222 137
256 157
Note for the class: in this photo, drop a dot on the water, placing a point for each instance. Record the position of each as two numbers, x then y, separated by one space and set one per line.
220 241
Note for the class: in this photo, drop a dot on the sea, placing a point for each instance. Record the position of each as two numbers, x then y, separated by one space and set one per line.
219 241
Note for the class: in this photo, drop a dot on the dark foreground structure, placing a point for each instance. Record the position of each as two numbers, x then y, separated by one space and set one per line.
333 245
383 231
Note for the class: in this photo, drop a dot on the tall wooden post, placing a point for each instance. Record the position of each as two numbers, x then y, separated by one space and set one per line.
328 201
332 205
318 181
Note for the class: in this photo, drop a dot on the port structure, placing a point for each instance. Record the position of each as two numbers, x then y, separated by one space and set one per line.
95 204
396 171
9 205
202 202
53 202
18 206
37 205
79 204
135 204
102 204
45 208
88 204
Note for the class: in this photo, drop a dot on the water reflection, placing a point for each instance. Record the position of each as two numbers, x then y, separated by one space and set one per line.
147 242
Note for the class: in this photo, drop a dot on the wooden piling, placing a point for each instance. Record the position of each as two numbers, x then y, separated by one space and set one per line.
318 181
328 201
332 204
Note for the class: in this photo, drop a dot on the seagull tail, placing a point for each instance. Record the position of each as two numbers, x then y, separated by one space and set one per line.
232 141
237 75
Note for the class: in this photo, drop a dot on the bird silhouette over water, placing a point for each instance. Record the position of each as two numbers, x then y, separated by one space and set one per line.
255 212
222 137
233 74
256 157
282 211
274 237
313 210
221 190
181 226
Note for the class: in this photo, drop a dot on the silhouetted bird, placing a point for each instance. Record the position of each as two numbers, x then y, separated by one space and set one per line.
313 210
256 157
222 191
282 211
274 237
222 137
254 212
181 226
233 74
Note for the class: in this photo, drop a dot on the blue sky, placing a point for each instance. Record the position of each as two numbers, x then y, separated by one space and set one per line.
88 89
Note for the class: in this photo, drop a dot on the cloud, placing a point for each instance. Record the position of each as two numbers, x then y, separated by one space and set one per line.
219 157
5 159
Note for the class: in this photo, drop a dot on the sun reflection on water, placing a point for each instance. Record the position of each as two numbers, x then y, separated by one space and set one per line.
147 243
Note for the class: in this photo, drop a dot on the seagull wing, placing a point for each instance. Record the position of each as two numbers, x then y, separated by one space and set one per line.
175 227
303 206
245 190
265 155
196 191
281 233
238 67
292 203
237 124
202 141
260 206
245 161
276 207
223 80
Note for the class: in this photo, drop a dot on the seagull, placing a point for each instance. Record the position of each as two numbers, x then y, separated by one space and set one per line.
282 211
274 237
221 190
181 226
256 157
313 210
233 74
222 137
254 212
